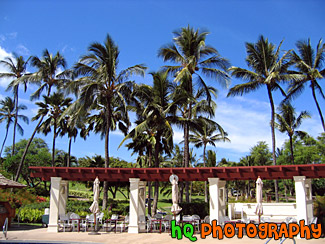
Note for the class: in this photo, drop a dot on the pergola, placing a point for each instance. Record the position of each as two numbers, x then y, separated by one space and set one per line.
216 176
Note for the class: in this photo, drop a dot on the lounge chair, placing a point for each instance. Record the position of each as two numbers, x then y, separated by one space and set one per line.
238 210
109 224
75 219
196 218
150 224
206 219
312 221
265 219
64 222
166 222
123 224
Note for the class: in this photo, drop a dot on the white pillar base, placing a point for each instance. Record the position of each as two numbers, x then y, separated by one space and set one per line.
52 228
133 229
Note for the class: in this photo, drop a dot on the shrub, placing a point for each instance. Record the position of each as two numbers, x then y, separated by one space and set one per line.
18 198
77 206
82 194
31 215
199 208
319 210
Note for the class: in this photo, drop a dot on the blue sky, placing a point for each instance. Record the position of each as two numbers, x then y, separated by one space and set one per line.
140 28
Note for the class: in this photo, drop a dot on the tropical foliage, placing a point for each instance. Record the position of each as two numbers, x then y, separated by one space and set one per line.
182 94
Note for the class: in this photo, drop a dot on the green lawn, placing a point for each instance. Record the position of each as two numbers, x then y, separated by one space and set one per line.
164 203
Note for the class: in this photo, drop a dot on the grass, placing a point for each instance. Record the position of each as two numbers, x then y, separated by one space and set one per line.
164 202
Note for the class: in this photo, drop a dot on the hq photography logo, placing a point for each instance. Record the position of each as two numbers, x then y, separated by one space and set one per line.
262 231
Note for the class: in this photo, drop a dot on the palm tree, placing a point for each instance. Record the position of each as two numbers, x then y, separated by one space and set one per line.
16 70
267 69
62 158
52 107
211 159
204 136
202 109
247 161
310 65
194 59
69 125
288 122
49 68
8 114
155 119
101 87
48 75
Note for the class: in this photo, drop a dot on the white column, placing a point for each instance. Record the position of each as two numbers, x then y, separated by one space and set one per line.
309 198
134 205
301 198
63 197
217 199
54 204
142 203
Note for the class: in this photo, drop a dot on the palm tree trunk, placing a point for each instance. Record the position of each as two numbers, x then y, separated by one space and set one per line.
285 190
29 142
205 182
182 183
16 121
69 151
156 193
186 158
273 140
149 182
249 189
317 105
291 149
53 145
26 148
108 125
4 141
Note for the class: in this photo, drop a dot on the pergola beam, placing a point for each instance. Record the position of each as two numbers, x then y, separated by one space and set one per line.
184 174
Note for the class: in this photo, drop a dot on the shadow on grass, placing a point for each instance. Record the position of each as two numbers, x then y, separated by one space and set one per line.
24 226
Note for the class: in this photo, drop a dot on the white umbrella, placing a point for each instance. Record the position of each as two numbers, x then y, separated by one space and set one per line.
259 198
175 207
94 208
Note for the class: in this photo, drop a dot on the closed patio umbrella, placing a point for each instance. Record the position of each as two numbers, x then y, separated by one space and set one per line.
175 207
259 198
94 208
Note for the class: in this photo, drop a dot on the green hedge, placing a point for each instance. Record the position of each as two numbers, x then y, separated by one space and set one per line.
82 194
76 205
30 215
199 208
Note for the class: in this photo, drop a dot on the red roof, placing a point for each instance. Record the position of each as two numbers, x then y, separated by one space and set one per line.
6 183
184 174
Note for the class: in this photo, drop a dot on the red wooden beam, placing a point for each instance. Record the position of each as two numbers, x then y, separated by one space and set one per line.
184 174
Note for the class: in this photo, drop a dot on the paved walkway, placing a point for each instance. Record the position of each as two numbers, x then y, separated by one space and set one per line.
41 234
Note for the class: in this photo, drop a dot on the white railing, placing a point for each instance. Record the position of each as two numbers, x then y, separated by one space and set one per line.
281 240
5 228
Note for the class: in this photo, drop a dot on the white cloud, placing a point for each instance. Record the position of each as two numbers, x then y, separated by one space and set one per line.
66 48
247 122
22 50
33 111
12 35
117 133
312 126
178 135
3 54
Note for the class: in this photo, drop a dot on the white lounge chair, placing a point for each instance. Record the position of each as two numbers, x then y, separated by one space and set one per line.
64 222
